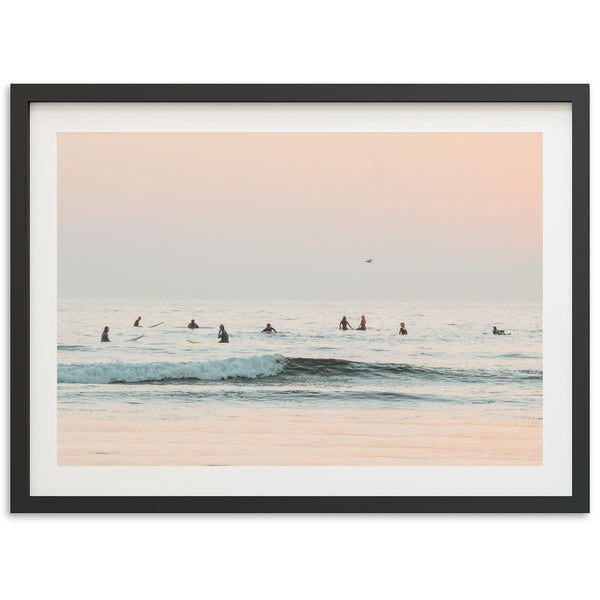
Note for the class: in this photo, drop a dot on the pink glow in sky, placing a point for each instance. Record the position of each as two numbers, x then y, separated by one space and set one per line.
445 216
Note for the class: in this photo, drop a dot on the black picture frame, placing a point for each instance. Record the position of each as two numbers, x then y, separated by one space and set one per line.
22 95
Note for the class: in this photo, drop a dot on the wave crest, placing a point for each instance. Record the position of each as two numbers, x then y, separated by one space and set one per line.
271 365
121 372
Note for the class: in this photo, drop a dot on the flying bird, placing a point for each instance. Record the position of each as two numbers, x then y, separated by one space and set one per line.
369 261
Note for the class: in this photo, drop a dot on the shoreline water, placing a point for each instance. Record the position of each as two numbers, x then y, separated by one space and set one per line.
301 436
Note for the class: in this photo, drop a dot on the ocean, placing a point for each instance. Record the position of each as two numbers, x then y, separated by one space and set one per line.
449 357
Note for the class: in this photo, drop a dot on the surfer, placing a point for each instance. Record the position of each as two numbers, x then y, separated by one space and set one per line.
193 325
403 329
344 324
104 337
223 335
497 331
137 322
269 328
363 324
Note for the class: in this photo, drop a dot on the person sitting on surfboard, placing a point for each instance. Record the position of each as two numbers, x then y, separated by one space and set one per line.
496 331
104 337
269 328
363 324
223 335
137 322
193 325
402 329
344 324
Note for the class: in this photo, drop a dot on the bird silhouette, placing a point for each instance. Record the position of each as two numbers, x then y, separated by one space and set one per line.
369 261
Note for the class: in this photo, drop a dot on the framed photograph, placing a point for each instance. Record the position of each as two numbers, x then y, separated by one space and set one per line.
300 298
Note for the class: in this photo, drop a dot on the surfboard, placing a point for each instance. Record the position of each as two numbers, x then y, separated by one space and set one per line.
191 341
136 338
156 325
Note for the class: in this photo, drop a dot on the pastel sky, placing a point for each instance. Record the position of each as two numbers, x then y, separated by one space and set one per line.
445 216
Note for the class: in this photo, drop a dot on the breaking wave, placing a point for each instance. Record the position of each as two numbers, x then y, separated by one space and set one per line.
269 366
214 370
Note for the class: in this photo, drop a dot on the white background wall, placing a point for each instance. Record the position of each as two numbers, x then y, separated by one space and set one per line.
524 556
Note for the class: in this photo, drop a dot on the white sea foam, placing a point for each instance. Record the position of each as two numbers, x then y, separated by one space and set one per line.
214 370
